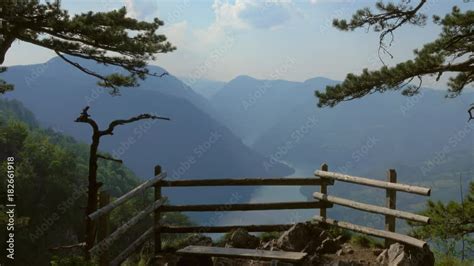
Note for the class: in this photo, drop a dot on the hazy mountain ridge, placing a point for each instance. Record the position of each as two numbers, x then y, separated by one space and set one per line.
399 128
191 145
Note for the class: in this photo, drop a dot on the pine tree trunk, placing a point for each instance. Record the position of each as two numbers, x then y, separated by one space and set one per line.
92 195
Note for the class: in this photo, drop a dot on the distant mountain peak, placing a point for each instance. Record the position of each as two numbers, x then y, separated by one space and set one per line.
241 78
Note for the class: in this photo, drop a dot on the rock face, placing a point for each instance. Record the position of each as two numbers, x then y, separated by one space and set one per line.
307 237
296 238
401 255
321 246
198 240
240 238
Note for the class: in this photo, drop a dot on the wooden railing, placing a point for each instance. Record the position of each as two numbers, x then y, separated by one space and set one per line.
391 187
323 178
105 240
158 181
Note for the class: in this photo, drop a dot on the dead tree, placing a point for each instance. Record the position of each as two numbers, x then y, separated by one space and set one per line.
93 185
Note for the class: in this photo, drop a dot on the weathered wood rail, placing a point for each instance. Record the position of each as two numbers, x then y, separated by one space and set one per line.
389 211
103 244
322 178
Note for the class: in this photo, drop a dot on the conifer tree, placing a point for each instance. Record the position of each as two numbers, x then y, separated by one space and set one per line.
451 223
450 54
109 38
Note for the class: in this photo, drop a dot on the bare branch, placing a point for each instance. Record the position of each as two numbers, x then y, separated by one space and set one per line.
470 112
113 124
78 245
109 158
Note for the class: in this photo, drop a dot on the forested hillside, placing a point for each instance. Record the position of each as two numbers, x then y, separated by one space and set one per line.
50 186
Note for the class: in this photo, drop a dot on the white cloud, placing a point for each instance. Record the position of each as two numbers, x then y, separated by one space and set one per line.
177 33
205 49
141 9
252 14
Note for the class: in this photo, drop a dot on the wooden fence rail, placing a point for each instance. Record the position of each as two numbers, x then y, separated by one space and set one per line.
323 178
374 232
371 208
391 186
119 201
296 181
158 181
246 207
374 183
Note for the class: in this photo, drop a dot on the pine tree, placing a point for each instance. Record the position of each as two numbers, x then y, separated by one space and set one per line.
451 52
109 38
450 223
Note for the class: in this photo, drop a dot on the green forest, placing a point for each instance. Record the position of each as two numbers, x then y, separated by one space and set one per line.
51 186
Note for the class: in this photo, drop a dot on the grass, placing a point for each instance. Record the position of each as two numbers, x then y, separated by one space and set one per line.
267 236
365 241
446 260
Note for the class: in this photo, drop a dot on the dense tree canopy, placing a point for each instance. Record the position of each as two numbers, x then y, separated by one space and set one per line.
109 38
51 187
451 53
452 222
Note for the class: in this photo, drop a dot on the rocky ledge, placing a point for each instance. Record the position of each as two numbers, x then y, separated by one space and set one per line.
316 240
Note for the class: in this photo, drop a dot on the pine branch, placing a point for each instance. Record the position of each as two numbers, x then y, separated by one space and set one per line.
89 72
391 18
115 123
104 37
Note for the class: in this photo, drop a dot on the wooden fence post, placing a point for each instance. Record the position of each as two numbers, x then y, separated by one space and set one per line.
391 203
157 214
324 190
103 228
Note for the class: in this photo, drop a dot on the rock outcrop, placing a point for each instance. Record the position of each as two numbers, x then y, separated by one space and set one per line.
401 255
321 246
240 238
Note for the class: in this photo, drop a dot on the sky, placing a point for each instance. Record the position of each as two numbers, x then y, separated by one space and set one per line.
277 39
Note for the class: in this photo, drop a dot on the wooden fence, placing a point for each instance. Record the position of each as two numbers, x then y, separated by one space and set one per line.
323 178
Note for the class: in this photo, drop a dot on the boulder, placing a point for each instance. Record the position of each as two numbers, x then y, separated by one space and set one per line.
312 246
329 245
240 238
377 251
345 249
401 255
296 238
270 245
198 240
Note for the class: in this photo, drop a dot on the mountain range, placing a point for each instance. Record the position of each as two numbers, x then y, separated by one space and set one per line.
251 127
191 145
